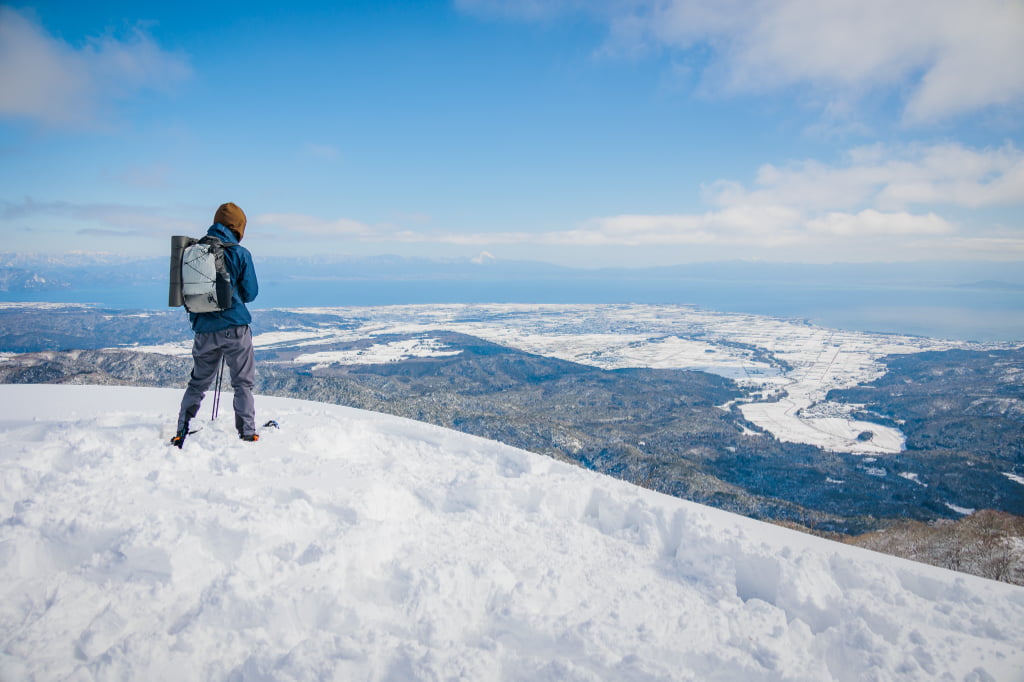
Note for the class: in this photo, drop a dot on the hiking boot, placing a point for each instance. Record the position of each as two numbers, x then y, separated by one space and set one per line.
250 438
178 439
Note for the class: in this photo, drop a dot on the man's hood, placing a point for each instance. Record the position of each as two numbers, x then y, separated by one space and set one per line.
232 217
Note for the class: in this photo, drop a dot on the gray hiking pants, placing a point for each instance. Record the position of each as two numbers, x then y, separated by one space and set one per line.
235 346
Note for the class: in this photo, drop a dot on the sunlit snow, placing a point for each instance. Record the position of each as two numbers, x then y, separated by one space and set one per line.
379 353
349 545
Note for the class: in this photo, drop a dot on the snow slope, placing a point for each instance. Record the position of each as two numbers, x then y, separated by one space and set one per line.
356 546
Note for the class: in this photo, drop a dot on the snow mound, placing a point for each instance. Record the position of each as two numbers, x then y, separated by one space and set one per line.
350 545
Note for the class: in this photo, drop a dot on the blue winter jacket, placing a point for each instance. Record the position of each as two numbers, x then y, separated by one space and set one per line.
238 261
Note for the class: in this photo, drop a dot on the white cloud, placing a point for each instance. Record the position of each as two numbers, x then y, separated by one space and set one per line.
996 248
876 195
98 226
878 202
457 238
760 225
955 175
872 222
315 226
44 78
888 179
951 57
946 57
978 48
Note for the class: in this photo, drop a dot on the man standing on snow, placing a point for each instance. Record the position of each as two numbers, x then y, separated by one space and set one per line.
225 335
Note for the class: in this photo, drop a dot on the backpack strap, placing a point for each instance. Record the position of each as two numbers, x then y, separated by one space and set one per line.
214 241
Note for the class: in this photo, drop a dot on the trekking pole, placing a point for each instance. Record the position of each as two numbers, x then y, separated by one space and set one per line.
216 392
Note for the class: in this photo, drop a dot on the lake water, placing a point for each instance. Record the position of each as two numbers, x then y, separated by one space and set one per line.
975 314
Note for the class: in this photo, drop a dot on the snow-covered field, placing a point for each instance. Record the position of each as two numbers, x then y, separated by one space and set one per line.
379 353
795 363
355 546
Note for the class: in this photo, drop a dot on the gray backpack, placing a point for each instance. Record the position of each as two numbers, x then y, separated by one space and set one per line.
200 281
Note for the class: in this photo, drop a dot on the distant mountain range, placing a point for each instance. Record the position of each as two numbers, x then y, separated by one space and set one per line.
35 272
993 285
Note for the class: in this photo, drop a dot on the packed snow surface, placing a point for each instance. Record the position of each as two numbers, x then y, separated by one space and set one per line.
349 545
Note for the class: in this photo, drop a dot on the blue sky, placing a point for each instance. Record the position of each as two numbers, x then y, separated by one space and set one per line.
610 132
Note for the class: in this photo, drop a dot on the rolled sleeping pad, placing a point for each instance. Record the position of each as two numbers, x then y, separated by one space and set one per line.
175 297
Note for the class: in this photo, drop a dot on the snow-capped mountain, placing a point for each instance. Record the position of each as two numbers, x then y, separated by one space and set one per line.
350 545
70 259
